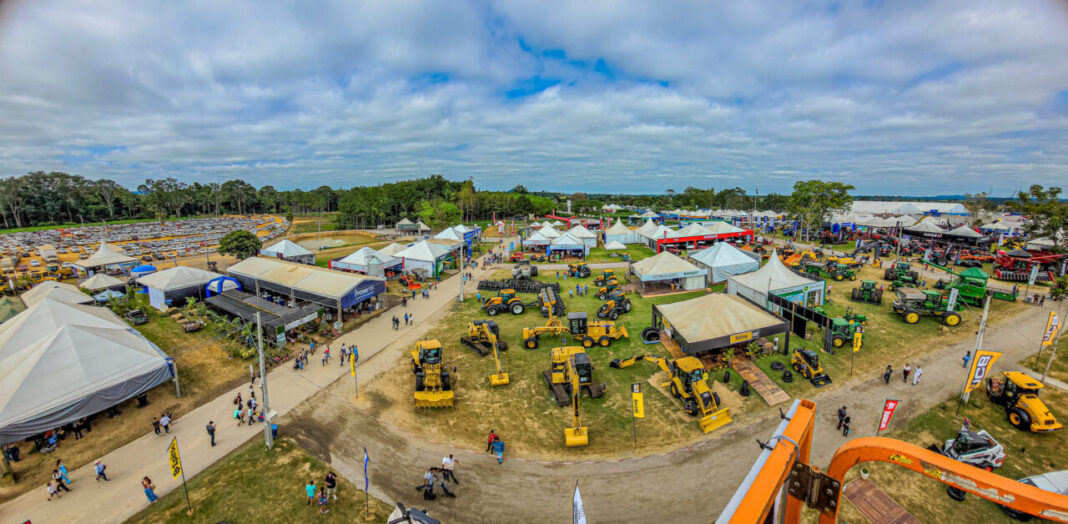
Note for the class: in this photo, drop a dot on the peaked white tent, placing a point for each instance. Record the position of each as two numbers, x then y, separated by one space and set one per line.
691 230
720 227
667 267
722 260
60 362
367 261
620 233
392 249
645 230
568 244
55 291
585 235
536 239
614 245
549 232
450 234
105 256
289 251
100 281
173 285
423 255
775 278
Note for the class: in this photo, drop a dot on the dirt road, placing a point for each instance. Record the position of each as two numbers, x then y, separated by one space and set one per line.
650 489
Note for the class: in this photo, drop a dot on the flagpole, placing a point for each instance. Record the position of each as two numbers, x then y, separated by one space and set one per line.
573 502
1056 340
1042 341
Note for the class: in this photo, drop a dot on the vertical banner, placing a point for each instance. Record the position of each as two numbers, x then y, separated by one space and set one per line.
174 459
858 341
888 411
981 364
578 513
953 294
1052 326
637 400
1034 275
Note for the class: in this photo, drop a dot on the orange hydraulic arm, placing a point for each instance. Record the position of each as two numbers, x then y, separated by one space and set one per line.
783 466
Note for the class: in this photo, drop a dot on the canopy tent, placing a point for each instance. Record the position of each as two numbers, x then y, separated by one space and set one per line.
925 229
367 261
646 229
614 245
142 270
557 223
775 278
289 251
107 294
55 291
723 260
691 230
221 284
620 233
421 227
666 266
907 208
392 249
450 234
735 321
100 281
996 226
536 239
175 284
334 289
964 232
549 231
586 236
1039 244
568 244
406 225
428 256
104 256
60 362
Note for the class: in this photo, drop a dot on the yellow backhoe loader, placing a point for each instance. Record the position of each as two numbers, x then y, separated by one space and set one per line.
689 386
484 336
433 384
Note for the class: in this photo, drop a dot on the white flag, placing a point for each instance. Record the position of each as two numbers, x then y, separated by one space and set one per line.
579 512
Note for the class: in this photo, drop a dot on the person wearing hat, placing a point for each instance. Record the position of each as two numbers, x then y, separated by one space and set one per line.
99 468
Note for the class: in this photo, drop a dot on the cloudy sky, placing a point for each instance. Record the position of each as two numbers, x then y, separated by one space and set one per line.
920 97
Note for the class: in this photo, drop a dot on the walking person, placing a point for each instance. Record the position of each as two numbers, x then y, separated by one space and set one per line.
150 490
331 484
405 319
62 470
916 377
439 478
448 468
309 490
155 426
323 501
210 428
889 373
841 417
52 490
101 470
57 477
489 440
905 372
428 485
845 427
967 358
498 449
165 422
239 415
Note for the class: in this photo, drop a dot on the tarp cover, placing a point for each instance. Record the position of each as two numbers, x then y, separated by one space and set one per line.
725 260
60 362
715 316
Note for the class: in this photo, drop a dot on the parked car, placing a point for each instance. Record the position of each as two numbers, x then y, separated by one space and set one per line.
136 317
1056 482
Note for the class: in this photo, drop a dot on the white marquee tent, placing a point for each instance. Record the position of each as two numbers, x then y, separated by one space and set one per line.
289 251
172 285
722 260
585 235
775 278
666 266
622 234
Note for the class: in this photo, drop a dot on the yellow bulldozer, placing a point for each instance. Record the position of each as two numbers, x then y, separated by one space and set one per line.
568 365
689 386
484 336
577 435
587 333
433 384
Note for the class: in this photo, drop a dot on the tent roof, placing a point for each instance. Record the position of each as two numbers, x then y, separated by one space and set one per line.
55 291
662 263
450 234
392 249
301 277
925 227
661 231
647 228
997 226
366 256
105 256
286 249
557 223
723 254
580 231
549 232
772 277
422 226
618 229
649 214
733 315
614 245
566 239
964 231
692 230
424 250
178 277
100 281
405 222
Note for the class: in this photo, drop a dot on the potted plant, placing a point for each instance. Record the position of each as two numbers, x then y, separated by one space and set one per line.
864 473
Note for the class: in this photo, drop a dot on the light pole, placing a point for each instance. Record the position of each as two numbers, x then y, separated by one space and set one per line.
267 418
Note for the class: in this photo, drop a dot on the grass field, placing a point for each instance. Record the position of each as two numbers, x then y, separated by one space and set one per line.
1059 368
636 252
256 484
313 223
1028 454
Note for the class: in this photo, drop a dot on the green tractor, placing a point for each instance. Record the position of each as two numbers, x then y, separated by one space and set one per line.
867 292
829 269
843 327
901 272
911 304
971 285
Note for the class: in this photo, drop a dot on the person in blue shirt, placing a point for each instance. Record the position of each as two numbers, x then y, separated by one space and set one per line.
498 449
309 489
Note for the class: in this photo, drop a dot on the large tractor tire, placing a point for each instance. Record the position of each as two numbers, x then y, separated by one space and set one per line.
715 397
626 306
531 343
888 274
650 334
912 317
853 277
491 311
839 277
691 407
878 296
584 273
855 294
517 309
420 378
614 314
951 319
604 342
602 296
837 341
446 381
1019 418
533 270
587 342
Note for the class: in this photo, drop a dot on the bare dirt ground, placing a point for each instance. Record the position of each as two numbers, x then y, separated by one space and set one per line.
631 489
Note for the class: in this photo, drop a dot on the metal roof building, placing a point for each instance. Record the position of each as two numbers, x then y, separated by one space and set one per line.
300 282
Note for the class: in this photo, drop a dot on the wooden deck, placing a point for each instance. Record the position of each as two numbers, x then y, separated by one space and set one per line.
761 383
875 504
676 352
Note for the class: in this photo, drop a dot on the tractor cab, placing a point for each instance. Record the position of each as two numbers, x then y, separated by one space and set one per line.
506 295
811 358
933 299
577 323
689 371
580 270
429 352
583 367
604 277
616 295
977 448
1018 393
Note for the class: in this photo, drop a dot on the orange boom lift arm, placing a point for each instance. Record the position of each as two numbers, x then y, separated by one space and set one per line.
781 480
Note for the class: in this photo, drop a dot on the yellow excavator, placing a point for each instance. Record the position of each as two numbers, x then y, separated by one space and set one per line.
433 385
484 336
567 365
576 435
689 386
587 333
499 378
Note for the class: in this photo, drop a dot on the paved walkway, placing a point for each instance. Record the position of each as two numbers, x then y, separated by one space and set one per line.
122 496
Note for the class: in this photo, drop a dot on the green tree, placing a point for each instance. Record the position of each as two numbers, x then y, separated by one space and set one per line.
241 244
1047 215
814 201
975 204
520 188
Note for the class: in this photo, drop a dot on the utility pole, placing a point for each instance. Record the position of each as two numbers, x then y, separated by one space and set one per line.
267 419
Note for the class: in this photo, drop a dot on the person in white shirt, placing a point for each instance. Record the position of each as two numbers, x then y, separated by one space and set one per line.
916 376
448 465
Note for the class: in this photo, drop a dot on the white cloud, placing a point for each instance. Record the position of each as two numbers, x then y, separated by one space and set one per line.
895 98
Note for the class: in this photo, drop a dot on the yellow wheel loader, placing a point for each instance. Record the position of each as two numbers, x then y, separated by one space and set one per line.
689 386
586 333
566 365
576 435
1018 393
483 336
433 384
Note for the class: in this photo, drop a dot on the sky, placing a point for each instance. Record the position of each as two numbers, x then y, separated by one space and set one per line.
904 97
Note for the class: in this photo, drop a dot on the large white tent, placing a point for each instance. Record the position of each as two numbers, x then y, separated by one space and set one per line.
722 260
620 233
55 291
100 281
172 285
392 249
368 261
60 362
585 235
105 256
568 244
667 267
615 245
425 256
775 278
289 251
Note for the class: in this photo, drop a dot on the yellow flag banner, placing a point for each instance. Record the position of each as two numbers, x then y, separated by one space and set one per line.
1052 325
352 364
173 458
637 399
981 364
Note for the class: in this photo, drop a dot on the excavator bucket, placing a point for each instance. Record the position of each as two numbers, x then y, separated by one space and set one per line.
622 331
433 399
715 420
820 380
575 437
498 379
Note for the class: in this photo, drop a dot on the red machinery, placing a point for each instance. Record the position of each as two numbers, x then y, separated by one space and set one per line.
1016 265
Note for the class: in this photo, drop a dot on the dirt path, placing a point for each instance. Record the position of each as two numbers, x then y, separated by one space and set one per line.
647 489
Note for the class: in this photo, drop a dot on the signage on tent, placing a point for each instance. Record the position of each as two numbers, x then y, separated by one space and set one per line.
888 411
741 337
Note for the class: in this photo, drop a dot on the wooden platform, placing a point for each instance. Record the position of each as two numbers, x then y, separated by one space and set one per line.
761 383
875 504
